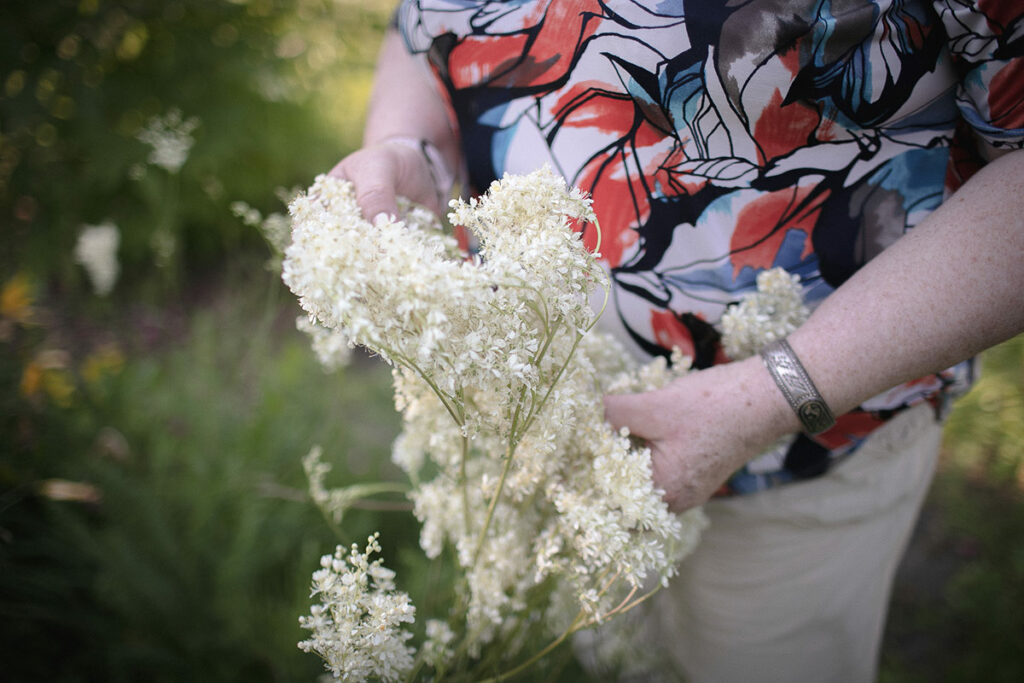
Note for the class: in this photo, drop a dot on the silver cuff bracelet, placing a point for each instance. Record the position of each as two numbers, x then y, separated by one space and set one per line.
796 385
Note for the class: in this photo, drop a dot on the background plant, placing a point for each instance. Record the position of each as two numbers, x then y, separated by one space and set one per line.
139 529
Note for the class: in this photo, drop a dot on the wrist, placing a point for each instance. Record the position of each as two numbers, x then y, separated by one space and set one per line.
797 387
441 174
769 411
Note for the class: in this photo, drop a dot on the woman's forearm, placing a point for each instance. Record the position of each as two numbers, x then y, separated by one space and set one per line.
947 290
405 102
405 107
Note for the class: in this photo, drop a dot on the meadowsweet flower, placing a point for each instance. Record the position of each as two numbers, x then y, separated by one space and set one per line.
164 245
331 347
169 138
437 648
499 385
275 227
357 628
763 316
96 251
499 377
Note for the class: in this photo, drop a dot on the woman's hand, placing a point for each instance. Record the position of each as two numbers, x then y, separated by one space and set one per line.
704 426
385 170
405 105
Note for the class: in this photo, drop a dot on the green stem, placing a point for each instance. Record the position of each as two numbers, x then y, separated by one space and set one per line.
513 441
374 488
464 484
443 397
573 627
551 387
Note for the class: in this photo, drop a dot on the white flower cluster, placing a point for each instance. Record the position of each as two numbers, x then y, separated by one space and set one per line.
357 628
500 379
275 227
578 505
332 347
403 289
96 251
169 138
764 316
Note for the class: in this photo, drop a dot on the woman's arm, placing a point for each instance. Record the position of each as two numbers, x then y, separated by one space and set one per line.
944 292
404 104
949 289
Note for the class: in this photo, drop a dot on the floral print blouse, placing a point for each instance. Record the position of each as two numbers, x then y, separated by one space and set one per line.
720 138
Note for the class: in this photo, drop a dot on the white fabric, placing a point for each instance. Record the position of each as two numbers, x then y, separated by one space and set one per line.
792 584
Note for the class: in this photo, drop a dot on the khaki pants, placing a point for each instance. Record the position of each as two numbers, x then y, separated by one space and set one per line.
792 584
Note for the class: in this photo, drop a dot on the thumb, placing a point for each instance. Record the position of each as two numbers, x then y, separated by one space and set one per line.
374 176
634 411
376 197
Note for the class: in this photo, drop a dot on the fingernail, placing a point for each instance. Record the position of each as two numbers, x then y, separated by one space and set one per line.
381 217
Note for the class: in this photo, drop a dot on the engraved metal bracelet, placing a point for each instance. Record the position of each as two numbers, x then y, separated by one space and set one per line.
796 385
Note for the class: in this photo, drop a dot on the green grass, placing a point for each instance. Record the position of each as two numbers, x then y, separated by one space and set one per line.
195 564
956 609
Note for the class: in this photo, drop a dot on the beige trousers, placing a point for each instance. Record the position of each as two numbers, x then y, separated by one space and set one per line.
792 584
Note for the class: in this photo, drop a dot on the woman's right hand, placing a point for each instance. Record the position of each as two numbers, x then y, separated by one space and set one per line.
387 169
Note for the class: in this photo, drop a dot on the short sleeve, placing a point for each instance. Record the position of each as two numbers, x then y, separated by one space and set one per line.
986 45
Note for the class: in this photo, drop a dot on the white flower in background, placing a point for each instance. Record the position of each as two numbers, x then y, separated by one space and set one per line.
169 138
437 648
357 628
276 228
764 316
164 244
96 251
331 347
250 215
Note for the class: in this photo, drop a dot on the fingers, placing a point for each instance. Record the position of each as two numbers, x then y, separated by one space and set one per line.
375 181
635 411
380 173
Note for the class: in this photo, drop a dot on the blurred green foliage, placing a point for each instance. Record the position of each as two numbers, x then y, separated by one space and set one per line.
985 434
155 524
153 518
956 606
277 88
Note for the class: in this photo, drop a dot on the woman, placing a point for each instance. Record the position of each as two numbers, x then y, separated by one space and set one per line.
871 147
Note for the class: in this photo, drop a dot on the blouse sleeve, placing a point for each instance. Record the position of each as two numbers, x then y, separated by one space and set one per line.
986 44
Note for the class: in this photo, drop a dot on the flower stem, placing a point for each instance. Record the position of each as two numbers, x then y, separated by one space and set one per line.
513 441
573 627
464 484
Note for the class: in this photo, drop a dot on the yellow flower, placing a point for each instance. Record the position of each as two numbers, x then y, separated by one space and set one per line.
31 380
47 373
104 361
16 299
59 387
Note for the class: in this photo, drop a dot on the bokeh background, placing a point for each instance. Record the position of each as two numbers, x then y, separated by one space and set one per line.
154 521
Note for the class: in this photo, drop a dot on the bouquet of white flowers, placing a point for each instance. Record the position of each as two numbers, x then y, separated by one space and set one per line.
499 377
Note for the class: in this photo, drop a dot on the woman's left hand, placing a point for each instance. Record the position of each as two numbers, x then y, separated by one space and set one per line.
704 426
